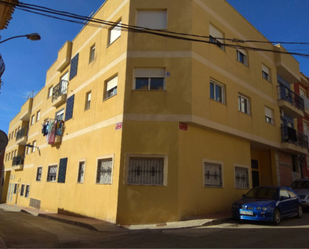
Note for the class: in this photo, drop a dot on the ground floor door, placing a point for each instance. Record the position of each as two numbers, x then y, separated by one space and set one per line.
255 173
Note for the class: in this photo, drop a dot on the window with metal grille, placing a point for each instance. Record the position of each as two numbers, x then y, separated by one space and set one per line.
146 171
241 177
27 191
81 172
22 190
213 174
104 171
52 173
39 174
69 108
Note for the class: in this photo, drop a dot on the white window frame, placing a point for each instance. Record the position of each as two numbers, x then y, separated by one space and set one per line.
242 54
249 176
111 156
152 19
114 33
78 170
241 98
27 194
59 112
214 33
36 176
165 168
49 166
150 73
269 119
216 83
204 161
266 73
32 120
111 87
92 53
38 114
88 101
50 92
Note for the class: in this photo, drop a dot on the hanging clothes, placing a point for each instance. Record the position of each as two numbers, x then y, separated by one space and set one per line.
52 135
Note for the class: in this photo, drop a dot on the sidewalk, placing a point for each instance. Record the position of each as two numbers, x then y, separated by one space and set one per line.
103 226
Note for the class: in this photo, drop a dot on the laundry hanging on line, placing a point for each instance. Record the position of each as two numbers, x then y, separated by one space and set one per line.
52 128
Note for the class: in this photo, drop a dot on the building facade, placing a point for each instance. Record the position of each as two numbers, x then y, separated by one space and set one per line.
137 128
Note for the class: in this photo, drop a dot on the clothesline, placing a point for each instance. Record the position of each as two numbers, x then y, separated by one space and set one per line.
52 128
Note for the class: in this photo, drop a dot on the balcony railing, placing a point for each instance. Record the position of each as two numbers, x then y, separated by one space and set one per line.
59 89
21 133
18 160
293 136
291 97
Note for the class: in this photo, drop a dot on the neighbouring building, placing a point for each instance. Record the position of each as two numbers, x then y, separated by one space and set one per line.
136 128
6 12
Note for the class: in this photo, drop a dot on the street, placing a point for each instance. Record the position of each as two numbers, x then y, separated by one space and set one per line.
23 230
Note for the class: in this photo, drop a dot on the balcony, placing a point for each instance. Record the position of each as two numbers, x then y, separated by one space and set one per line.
18 162
21 136
59 93
293 141
290 102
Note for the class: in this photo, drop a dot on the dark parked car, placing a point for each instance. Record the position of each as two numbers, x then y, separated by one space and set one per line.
301 188
268 203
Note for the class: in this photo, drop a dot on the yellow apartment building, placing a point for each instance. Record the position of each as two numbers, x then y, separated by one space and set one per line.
136 128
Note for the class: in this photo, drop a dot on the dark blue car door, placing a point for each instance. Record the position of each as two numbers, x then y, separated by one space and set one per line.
285 202
294 201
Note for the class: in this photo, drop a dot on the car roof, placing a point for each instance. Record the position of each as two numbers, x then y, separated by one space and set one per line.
302 180
275 187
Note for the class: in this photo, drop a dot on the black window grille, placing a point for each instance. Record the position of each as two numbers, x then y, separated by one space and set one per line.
74 66
69 108
213 175
52 173
104 172
146 171
27 191
39 174
81 172
22 190
62 170
241 177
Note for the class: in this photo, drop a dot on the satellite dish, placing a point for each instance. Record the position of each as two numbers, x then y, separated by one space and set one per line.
3 140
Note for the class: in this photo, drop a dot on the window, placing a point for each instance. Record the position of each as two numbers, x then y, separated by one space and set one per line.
50 92
34 145
265 73
15 132
12 154
74 66
216 36
104 171
212 174
152 19
22 190
15 188
111 87
81 172
39 174
241 177
28 150
217 91
59 115
69 108
38 114
27 191
32 119
269 115
9 155
242 56
88 100
302 92
15 154
146 171
92 53
52 173
62 170
114 33
149 79
243 104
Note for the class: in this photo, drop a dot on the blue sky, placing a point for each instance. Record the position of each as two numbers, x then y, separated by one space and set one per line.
27 62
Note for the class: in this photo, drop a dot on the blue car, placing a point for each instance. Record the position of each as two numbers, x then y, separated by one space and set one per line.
268 203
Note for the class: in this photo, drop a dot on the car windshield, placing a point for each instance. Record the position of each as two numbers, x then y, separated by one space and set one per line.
300 185
263 193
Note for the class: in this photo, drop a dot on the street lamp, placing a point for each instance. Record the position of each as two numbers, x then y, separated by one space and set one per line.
32 37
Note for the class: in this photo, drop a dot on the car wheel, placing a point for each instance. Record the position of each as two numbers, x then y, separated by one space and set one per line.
277 216
299 211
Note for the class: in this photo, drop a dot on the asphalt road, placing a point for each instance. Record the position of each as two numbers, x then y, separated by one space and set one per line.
24 230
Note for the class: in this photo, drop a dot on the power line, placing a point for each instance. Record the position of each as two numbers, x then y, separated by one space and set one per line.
48 12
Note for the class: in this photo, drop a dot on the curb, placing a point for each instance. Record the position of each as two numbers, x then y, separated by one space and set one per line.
217 222
76 223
